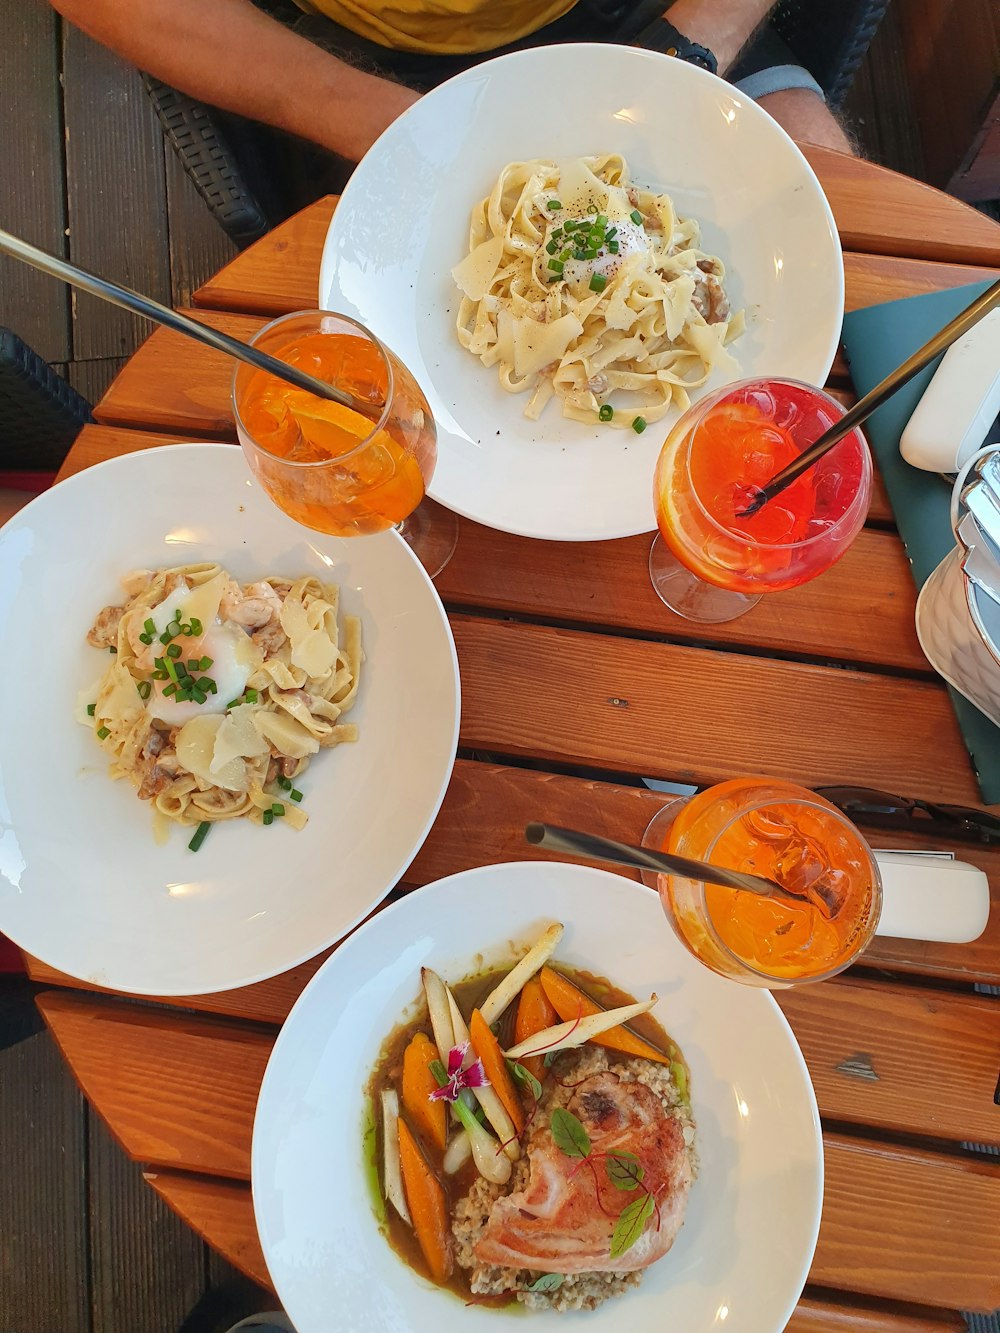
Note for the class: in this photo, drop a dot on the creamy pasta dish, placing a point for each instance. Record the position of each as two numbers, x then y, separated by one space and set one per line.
582 286
218 694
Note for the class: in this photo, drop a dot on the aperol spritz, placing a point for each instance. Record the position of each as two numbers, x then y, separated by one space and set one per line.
774 829
713 462
330 467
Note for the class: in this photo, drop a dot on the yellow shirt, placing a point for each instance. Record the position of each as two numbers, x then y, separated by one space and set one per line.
441 27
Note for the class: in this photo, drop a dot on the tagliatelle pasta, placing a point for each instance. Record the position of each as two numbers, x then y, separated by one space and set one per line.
218 694
582 286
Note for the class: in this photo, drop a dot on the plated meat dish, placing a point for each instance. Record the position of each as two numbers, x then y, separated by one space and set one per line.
532 1136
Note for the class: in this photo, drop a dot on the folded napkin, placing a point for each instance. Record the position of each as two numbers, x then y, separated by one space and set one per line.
877 340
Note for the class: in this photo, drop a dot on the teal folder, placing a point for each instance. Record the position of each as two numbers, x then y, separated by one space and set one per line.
876 340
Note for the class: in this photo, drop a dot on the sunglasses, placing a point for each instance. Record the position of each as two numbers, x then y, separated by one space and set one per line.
882 810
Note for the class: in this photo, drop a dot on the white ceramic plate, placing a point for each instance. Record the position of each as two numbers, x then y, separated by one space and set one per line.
403 224
82 883
745 1248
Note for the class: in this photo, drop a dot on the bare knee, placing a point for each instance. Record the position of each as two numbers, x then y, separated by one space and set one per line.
807 118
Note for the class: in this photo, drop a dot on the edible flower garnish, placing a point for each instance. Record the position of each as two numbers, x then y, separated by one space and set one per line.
458 1078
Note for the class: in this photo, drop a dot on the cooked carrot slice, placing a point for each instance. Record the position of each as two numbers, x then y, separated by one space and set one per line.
534 1014
570 1002
488 1049
428 1206
430 1118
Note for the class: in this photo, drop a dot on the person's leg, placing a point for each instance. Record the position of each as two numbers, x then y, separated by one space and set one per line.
806 117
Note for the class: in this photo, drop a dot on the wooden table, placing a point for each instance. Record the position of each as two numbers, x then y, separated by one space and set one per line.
575 680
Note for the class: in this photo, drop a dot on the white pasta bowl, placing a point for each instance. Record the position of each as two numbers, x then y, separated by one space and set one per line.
403 224
753 1213
83 884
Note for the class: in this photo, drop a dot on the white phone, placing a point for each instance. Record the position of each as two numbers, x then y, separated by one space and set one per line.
960 404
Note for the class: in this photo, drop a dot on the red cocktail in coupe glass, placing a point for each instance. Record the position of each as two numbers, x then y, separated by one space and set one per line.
708 563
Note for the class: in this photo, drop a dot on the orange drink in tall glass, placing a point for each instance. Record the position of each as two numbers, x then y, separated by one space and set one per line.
329 467
782 832
710 563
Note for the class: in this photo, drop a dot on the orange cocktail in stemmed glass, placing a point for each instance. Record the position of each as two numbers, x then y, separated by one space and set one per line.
330 467
709 563
775 829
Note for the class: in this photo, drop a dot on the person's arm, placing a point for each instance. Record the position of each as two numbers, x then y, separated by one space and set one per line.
229 54
724 26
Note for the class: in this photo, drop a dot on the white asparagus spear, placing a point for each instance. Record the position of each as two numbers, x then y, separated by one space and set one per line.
513 983
564 1036
496 1112
392 1176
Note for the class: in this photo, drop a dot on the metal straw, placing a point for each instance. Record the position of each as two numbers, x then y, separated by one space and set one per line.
594 848
922 357
171 319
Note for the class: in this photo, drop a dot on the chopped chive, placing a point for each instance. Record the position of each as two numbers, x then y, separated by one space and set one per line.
169 689
556 265
613 247
171 671
174 628
639 425
174 650
159 663
159 675
103 733
598 282
601 221
183 696
150 627
295 794
606 412
552 247
164 637
591 208
145 688
268 816
195 626
204 663
590 254
251 696
579 254
553 205
91 709
200 834
112 649
207 683
636 217
612 232
177 615
284 783
145 638
277 809
233 703
199 696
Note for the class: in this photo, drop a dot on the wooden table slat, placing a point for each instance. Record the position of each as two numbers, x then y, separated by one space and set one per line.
482 821
879 1054
693 715
862 610
883 212
180 1092
222 1211
901 218
174 383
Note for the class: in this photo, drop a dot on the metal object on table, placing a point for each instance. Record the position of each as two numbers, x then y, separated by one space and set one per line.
594 848
922 357
172 319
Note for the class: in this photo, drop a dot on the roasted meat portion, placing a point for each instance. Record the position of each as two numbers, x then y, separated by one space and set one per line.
563 1219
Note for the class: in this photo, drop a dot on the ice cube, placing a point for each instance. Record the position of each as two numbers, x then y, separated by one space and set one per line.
768 825
800 865
762 400
832 888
